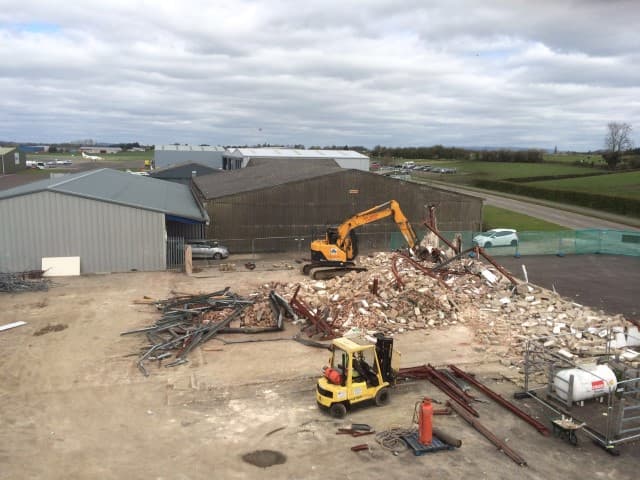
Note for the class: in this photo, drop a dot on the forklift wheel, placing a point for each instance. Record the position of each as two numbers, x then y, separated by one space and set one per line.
382 397
338 410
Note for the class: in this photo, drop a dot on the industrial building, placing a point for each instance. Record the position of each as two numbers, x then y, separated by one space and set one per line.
282 204
168 155
12 160
112 220
241 157
182 173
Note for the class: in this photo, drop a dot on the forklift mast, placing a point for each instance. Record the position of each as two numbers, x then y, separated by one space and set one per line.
384 350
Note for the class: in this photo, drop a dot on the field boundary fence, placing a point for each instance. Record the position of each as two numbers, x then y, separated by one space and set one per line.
563 242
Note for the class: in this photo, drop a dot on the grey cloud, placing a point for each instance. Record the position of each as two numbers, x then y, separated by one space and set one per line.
332 72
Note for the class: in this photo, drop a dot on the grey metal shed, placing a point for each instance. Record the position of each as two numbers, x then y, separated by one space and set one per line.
112 220
167 155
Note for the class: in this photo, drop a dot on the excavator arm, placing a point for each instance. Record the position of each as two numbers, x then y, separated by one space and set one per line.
344 237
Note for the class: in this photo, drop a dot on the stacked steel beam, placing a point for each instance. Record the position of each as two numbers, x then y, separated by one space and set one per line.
23 282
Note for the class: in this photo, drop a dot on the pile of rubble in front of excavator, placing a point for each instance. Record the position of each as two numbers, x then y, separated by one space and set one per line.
501 315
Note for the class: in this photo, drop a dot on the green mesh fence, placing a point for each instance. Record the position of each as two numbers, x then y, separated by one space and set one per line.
564 242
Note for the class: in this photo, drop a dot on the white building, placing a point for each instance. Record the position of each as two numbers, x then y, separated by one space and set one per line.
349 159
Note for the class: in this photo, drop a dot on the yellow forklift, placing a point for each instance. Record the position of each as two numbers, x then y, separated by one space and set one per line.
358 370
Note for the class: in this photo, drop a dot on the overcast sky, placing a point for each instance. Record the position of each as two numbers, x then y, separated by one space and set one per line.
397 73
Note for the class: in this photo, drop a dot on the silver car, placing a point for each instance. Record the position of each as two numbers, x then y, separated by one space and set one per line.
204 249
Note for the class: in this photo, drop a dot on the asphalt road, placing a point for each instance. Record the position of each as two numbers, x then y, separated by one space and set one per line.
606 282
554 214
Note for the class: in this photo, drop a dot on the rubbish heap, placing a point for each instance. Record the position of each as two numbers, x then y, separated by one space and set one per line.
396 295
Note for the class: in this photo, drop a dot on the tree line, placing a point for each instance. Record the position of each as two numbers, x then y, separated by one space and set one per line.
454 153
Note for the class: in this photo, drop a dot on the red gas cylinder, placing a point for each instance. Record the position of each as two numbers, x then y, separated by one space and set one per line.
425 417
333 376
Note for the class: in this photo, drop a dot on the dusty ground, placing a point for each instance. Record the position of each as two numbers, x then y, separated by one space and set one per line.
73 404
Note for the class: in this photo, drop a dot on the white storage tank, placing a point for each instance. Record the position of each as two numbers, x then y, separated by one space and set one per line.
589 381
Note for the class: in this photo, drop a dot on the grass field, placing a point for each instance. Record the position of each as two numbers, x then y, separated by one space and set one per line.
468 171
495 217
112 157
617 184
571 158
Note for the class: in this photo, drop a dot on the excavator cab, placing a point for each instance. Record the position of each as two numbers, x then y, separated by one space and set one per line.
358 370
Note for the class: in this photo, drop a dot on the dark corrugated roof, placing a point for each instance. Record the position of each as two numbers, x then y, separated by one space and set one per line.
121 188
183 170
263 174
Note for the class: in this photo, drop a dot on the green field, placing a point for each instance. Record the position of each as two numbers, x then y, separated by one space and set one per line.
571 158
112 157
617 184
495 217
469 171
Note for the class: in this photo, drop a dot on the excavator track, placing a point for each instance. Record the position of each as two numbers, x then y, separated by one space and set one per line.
325 273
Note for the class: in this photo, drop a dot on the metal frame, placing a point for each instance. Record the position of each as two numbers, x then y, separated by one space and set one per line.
620 406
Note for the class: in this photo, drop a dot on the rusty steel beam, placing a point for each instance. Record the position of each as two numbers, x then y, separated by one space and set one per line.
318 322
425 372
417 266
394 270
499 267
501 445
501 400
458 391
437 233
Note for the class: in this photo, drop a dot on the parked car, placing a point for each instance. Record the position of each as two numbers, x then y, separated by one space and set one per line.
205 249
498 237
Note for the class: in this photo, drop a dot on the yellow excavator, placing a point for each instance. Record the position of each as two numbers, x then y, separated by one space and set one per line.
334 254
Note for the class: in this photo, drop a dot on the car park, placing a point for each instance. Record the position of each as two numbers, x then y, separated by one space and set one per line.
497 237
207 249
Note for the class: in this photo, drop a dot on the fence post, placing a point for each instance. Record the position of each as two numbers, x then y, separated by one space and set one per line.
560 252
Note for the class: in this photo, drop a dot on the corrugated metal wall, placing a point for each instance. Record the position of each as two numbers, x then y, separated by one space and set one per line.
306 208
106 237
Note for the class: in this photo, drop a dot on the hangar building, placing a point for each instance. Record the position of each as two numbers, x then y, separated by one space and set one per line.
241 157
271 205
168 155
112 220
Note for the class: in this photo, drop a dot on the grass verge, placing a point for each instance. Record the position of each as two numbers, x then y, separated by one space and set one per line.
495 217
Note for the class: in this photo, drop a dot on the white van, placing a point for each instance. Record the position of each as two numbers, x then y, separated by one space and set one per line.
409 165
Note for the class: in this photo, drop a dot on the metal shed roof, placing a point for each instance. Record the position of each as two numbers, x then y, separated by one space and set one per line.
189 148
297 153
262 175
183 170
5 150
122 188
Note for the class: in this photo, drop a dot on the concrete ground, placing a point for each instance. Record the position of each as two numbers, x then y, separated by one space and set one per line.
74 405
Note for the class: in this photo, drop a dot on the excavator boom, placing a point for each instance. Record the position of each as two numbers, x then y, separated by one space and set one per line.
374 214
338 249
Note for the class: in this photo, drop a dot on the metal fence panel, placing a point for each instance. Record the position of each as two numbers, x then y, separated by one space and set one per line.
175 253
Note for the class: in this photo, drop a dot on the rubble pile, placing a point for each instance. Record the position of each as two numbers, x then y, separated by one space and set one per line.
468 291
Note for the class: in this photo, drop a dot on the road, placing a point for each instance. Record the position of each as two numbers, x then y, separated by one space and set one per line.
554 214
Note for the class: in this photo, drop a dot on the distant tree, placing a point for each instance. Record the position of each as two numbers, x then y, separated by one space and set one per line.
555 150
53 149
616 141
